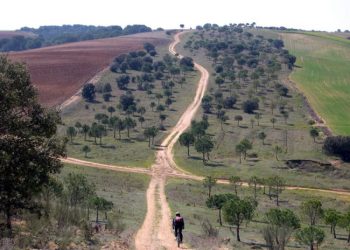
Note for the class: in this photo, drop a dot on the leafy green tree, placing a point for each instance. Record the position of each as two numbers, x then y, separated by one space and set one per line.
345 223
151 133
160 108
187 139
252 121
281 224
276 187
240 150
314 133
123 81
332 217
101 204
310 236
278 150
29 149
88 92
107 88
262 136
94 131
111 110
85 129
198 129
238 118
71 133
126 101
246 145
235 182
236 211
285 115
273 121
258 118
209 182
162 118
249 106
86 149
222 118
141 120
129 124
219 81
254 182
52 189
113 123
120 127
100 132
78 126
217 201
152 105
186 63
204 145
312 210
99 117
148 47
107 97
78 189
158 96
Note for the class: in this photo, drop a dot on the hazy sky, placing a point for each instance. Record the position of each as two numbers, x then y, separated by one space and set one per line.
307 14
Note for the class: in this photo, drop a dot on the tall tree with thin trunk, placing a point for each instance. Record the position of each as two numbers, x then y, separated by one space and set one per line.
237 211
187 139
209 182
310 236
235 182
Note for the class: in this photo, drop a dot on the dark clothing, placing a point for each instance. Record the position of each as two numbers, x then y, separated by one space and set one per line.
178 226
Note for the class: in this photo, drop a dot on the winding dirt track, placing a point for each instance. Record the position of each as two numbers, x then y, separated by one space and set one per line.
155 232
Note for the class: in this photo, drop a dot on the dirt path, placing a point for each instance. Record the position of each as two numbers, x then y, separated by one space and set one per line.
155 232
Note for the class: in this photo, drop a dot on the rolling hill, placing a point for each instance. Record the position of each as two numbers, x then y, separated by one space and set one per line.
59 71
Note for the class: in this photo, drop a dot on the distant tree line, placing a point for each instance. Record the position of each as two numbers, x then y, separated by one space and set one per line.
52 35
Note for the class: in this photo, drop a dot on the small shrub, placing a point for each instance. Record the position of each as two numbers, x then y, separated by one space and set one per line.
249 106
86 106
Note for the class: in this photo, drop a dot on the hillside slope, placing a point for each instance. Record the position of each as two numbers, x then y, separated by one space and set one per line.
60 71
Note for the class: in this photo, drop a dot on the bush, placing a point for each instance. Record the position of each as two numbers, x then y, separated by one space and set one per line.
339 146
249 106
88 92
229 102
187 63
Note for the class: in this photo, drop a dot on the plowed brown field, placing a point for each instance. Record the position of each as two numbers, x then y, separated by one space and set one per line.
59 71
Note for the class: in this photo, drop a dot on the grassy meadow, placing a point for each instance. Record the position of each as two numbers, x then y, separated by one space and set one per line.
323 75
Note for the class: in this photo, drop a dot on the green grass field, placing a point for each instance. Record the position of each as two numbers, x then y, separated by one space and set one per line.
323 75
189 198
133 151
126 191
